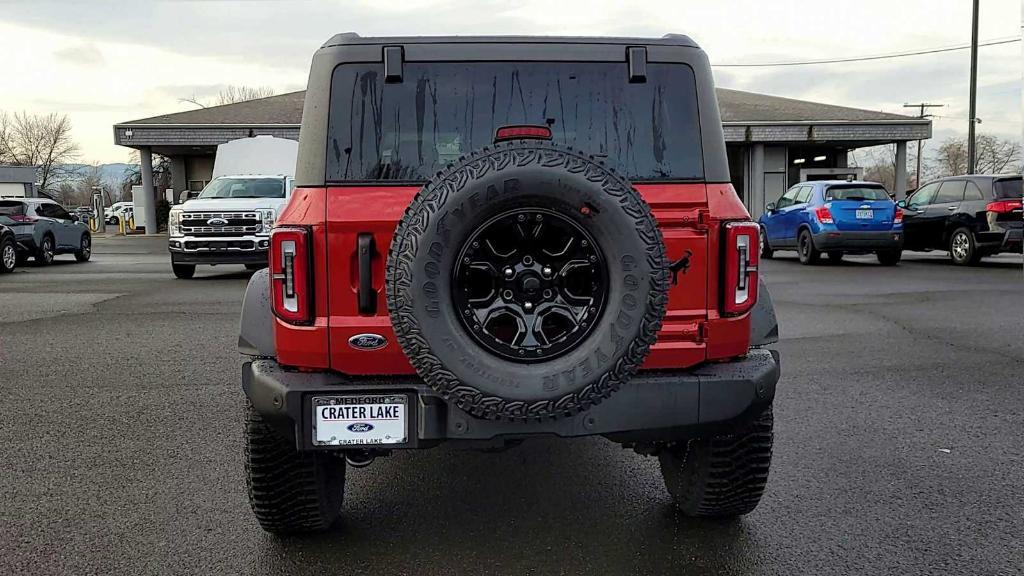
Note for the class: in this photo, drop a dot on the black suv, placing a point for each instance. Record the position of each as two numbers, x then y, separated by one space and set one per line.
970 216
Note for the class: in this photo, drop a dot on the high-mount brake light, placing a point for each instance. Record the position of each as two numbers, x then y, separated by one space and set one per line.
1004 206
897 218
290 274
528 132
824 215
741 241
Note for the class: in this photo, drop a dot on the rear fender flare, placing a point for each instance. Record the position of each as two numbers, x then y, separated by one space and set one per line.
256 329
764 326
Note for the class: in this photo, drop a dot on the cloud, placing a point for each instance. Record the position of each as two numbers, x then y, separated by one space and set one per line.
86 54
104 66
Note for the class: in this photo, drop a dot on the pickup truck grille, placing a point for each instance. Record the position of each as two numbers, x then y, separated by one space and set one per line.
237 223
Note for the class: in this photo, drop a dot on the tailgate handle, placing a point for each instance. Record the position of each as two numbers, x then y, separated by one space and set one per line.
367 295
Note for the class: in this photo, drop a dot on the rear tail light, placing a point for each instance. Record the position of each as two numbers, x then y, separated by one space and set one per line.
742 249
824 215
290 275
1004 206
897 218
23 218
522 132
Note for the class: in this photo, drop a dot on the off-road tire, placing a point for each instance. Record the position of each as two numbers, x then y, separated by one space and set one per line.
446 212
183 271
968 255
722 475
805 248
290 491
8 256
766 249
46 251
889 257
84 251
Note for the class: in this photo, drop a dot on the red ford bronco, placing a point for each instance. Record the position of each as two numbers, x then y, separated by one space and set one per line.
495 238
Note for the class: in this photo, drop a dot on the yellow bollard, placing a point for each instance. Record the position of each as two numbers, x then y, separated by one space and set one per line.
120 227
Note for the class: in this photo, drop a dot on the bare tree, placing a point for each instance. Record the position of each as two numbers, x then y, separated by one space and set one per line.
232 95
880 166
994 155
39 140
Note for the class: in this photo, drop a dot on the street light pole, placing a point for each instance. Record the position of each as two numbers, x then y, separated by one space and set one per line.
974 90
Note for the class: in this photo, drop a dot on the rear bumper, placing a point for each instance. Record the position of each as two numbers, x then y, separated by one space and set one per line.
654 406
1011 240
856 240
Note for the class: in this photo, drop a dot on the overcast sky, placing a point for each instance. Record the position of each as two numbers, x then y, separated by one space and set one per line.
103 63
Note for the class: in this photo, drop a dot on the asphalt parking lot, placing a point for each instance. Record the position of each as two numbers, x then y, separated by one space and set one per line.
899 444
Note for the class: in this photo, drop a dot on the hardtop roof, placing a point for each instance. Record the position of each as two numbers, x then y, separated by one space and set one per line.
352 38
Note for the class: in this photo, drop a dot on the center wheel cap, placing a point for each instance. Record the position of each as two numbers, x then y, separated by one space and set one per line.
530 284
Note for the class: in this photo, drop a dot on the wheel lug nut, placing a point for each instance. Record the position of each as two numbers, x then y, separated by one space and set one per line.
539 217
509 272
584 243
507 294
521 217
593 258
546 271
547 293
528 306
528 260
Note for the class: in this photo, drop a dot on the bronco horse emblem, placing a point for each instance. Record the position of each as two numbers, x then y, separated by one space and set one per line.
683 264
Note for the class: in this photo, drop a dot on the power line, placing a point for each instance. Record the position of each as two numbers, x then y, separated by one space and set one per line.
996 42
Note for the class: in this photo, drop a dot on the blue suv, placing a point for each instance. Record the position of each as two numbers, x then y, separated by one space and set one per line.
835 217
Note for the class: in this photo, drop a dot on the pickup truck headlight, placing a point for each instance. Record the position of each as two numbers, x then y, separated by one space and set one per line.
267 217
174 223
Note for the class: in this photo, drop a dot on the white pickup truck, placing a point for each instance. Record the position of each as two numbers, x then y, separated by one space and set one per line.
230 221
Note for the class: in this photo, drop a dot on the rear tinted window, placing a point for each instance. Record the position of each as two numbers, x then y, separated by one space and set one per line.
856 193
10 208
1009 188
408 131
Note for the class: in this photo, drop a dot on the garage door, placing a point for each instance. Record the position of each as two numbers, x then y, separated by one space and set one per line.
12 189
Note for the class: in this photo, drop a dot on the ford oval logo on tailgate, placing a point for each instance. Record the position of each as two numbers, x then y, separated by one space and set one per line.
360 427
217 222
367 342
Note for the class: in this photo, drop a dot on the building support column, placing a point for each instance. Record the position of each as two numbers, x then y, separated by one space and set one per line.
148 212
755 177
900 183
179 179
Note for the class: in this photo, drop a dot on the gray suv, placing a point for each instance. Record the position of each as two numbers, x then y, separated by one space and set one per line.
43 229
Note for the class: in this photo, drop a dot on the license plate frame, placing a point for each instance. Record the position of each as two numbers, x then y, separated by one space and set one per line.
380 433
865 214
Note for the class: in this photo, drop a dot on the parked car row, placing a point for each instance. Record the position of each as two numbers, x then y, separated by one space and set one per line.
969 216
42 229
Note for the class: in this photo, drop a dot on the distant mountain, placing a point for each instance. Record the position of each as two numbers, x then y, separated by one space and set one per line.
108 172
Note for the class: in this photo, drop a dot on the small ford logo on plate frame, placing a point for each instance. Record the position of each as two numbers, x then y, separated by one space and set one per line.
360 427
367 342
217 222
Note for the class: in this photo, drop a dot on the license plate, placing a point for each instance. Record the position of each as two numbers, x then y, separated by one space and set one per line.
865 214
360 420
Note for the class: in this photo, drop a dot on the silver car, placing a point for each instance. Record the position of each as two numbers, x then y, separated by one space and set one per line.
43 229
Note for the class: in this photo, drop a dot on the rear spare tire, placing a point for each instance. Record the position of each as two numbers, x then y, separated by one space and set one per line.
527 281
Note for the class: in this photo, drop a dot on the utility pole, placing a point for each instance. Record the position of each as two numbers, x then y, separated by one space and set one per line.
921 114
974 89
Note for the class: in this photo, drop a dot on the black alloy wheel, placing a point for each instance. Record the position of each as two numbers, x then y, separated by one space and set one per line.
530 284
